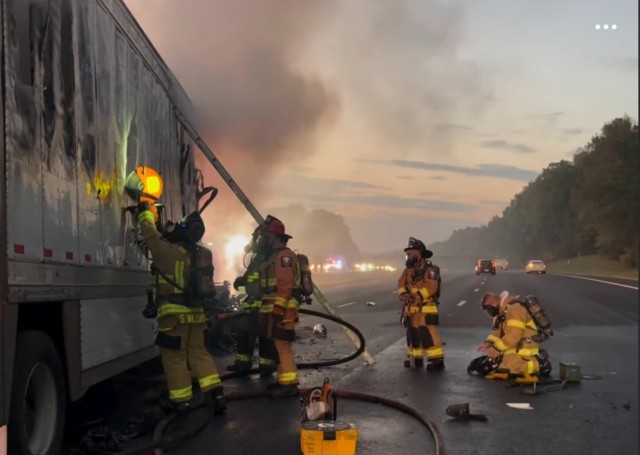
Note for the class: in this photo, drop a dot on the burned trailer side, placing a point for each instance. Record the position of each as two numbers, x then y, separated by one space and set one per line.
85 100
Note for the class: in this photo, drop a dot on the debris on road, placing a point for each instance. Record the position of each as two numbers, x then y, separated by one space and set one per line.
370 303
520 405
320 329
462 411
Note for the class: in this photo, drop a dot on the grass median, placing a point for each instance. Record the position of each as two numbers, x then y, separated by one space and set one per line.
594 265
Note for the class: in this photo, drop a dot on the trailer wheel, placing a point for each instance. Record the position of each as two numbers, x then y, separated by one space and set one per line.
38 398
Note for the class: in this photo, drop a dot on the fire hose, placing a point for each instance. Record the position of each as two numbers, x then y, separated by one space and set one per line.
164 442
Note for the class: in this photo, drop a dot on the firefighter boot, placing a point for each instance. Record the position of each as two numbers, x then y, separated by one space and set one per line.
500 373
215 400
526 379
240 367
266 371
419 363
180 407
283 390
435 365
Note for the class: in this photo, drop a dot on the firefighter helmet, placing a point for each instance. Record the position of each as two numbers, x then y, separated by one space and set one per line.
415 244
274 225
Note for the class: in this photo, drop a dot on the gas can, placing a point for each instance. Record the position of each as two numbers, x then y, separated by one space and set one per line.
322 437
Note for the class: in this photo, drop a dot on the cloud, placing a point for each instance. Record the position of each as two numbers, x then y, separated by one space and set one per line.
437 177
511 147
572 131
549 116
446 127
390 201
406 177
484 170
625 64
334 185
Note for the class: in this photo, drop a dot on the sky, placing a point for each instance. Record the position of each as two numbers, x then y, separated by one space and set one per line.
408 118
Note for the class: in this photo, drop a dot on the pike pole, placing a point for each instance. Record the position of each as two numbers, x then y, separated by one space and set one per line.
208 153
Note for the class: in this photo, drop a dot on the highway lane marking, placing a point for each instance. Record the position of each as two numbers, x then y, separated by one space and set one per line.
476 290
346 304
461 303
599 281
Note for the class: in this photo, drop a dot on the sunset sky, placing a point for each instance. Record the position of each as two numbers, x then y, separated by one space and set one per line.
405 117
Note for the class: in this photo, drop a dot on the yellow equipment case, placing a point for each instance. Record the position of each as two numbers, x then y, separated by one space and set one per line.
322 437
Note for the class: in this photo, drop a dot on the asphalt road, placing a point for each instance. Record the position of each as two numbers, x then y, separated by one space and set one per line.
596 326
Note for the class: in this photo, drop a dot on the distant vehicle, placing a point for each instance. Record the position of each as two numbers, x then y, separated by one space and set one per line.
502 264
485 266
535 266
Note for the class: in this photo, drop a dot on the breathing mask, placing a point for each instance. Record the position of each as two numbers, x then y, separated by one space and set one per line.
411 260
491 310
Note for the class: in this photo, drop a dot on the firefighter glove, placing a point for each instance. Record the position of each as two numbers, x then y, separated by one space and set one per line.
405 297
240 281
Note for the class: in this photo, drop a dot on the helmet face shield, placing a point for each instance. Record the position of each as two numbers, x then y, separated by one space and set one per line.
412 258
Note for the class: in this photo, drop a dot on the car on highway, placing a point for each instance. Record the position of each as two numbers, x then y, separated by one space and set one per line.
485 266
501 263
535 266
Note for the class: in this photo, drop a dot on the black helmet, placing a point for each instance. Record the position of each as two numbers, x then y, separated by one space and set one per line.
415 244
190 229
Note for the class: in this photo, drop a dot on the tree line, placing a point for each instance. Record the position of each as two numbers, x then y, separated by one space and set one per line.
586 206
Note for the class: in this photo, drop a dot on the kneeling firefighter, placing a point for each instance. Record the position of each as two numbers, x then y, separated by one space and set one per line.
185 301
247 327
280 283
418 287
512 347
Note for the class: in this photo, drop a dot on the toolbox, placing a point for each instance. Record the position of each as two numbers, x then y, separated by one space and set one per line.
570 372
322 437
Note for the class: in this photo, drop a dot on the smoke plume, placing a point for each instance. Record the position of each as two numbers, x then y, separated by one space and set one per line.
270 77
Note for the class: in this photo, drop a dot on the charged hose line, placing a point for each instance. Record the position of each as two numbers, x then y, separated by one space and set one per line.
160 442
325 363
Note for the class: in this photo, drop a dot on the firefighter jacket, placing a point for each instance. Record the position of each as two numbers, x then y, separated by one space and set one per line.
252 286
173 261
279 278
419 283
513 329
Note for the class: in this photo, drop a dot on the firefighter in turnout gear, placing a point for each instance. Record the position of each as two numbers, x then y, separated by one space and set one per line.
248 326
279 279
418 287
510 347
180 316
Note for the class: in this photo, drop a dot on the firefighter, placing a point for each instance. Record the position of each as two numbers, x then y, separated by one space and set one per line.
279 278
181 324
248 326
418 289
511 351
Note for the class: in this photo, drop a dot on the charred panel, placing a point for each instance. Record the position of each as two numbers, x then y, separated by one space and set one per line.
89 178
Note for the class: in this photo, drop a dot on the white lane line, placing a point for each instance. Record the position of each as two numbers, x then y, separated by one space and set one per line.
346 304
394 292
598 281
476 290
461 303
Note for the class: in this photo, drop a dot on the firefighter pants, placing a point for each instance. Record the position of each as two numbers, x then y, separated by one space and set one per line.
182 349
282 334
520 366
248 331
423 338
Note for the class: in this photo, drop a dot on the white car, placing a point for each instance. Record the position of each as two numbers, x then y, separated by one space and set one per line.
535 266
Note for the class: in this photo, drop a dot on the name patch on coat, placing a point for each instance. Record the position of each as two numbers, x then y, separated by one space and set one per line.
285 261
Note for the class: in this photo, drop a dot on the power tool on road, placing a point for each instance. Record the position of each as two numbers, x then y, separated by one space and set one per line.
320 432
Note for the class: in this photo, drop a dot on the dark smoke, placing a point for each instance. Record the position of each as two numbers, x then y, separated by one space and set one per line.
238 61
